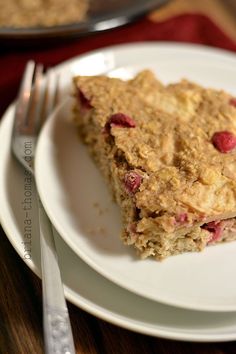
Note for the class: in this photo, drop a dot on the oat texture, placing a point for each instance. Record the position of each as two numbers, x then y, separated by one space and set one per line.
176 190
42 13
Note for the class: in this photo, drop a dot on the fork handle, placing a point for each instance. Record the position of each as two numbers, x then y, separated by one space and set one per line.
57 333
57 329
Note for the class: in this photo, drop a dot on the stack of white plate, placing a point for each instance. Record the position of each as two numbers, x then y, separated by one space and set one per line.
186 297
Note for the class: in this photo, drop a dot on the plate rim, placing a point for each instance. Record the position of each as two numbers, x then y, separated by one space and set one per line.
171 45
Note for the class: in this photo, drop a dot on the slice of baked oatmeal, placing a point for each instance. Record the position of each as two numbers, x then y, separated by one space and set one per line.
168 155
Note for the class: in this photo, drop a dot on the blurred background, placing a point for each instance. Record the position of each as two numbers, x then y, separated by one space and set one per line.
25 19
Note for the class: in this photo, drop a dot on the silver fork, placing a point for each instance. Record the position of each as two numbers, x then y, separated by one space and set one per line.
36 100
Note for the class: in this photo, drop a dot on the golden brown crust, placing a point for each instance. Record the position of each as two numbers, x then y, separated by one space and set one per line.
170 147
41 13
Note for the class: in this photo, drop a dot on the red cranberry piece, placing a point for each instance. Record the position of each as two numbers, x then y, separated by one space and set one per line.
132 181
224 141
119 120
232 101
84 101
215 228
181 218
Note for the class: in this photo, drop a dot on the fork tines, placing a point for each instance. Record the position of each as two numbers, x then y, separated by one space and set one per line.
35 100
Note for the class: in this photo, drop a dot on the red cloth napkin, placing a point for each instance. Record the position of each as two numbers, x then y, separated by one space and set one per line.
192 28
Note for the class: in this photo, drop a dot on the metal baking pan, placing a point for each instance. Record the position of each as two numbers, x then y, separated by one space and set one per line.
102 15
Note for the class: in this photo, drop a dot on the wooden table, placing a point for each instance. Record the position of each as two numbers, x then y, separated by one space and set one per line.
21 324
20 289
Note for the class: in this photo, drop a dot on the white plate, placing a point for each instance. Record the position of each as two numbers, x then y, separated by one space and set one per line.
83 286
70 187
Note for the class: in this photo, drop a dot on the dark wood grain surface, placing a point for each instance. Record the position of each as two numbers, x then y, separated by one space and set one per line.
21 320
20 289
